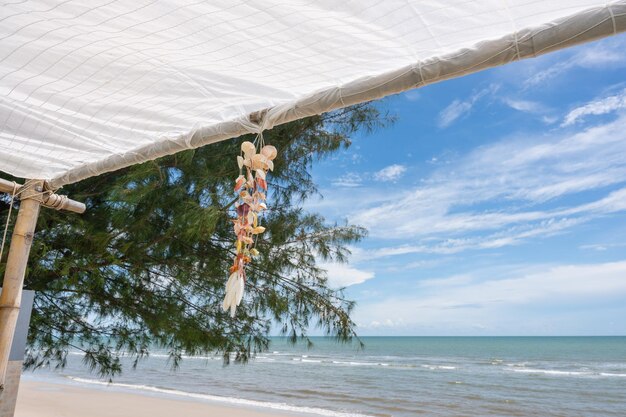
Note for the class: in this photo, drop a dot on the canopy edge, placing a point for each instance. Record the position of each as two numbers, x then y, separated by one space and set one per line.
582 27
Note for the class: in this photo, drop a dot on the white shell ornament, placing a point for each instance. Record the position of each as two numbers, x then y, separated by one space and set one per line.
269 152
248 149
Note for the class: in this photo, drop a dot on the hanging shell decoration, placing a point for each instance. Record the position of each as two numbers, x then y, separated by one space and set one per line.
252 189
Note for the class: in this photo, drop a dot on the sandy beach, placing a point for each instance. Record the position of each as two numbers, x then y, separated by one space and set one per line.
45 399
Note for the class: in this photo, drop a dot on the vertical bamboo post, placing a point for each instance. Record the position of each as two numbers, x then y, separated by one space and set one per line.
16 268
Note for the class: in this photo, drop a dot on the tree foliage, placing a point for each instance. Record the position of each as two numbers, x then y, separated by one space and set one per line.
145 266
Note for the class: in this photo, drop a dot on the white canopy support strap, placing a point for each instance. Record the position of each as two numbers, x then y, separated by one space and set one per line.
91 87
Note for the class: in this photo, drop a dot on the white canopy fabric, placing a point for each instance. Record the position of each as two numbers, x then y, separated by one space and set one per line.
92 86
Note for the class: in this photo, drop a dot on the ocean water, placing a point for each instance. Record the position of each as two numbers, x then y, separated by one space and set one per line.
399 376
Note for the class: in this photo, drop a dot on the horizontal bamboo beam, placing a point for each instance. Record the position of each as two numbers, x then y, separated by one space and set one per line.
7 186
47 198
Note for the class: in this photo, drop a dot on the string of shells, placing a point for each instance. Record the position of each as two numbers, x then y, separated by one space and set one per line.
251 185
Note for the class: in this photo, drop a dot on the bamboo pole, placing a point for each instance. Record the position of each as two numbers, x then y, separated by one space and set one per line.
17 260
33 195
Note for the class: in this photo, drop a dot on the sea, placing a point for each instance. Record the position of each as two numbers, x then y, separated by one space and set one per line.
394 376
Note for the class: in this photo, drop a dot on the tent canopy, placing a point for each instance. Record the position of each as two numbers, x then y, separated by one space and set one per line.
90 87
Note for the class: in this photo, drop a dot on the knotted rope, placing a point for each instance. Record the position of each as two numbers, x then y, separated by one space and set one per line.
6 224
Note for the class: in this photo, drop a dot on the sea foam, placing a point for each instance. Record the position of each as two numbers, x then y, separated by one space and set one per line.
554 372
216 398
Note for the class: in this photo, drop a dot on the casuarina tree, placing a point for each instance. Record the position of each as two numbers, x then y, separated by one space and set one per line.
144 268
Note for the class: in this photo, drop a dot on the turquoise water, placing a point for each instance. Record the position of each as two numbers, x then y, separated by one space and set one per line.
402 376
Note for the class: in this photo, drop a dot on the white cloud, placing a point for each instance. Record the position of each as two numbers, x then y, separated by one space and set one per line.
549 119
459 108
480 298
350 179
507 237
390 173
443 214
610 53
596 56
354 179
596 247
601 106
342 275
526 106
600 247
382 324
547 74
412 95
454 110
528 171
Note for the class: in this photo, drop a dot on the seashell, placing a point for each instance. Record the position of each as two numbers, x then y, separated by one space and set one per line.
258 230
246 197
234 292
269 151
259 162
261 182
260 173
262 206
242 210
270 165
240 161
238 290
248 149
239 182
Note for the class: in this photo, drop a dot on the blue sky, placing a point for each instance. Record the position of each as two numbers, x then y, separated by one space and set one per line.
496 204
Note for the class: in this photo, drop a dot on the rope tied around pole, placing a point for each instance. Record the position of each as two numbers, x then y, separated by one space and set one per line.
58 203
47 196
55 201
6 224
